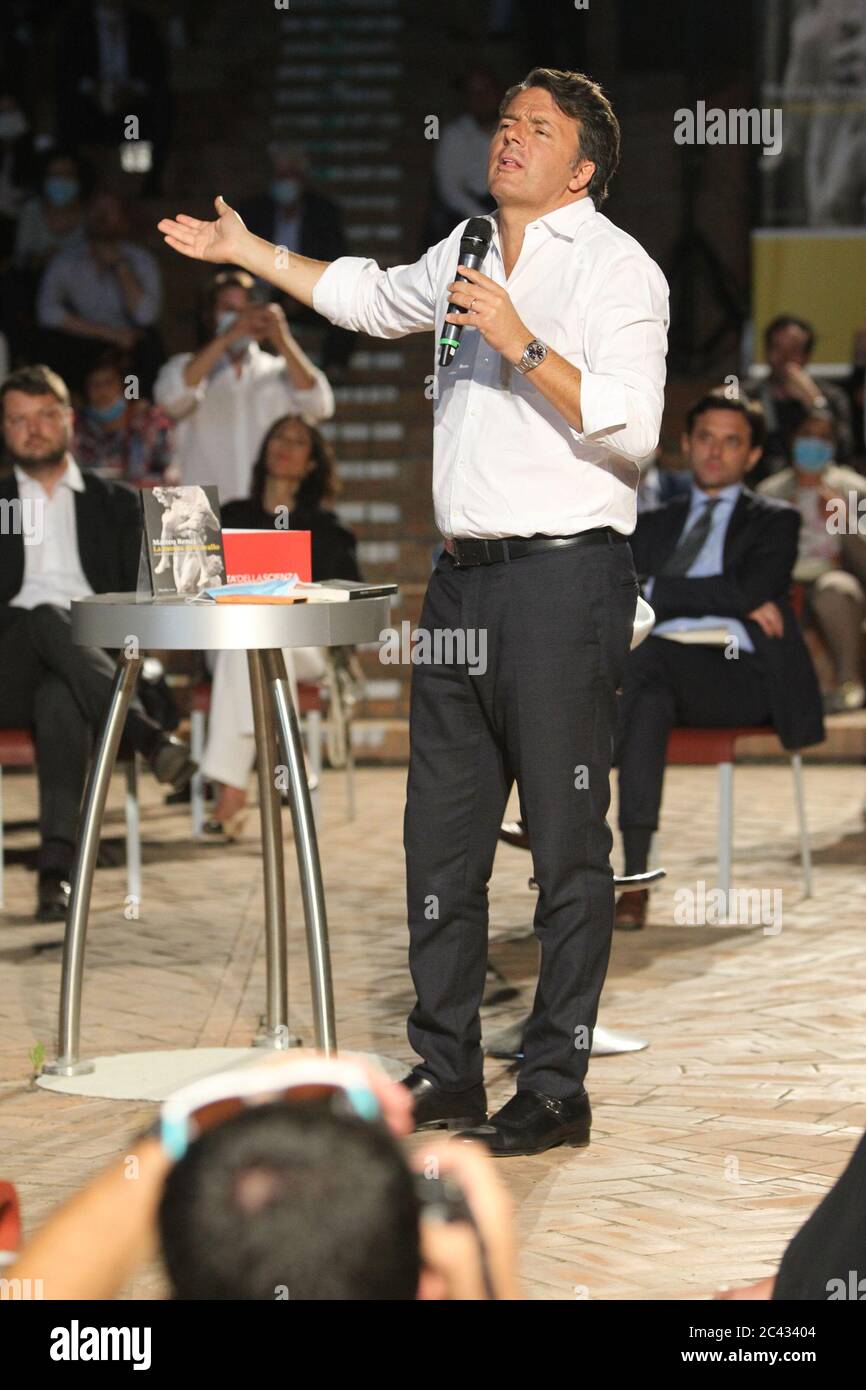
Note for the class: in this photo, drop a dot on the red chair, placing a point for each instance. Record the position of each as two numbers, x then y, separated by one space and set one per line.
10 1223
17 750
718 747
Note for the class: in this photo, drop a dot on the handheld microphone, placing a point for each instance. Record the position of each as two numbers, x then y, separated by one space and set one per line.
473 248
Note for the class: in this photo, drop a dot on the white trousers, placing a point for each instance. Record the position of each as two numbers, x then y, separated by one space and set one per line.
230 750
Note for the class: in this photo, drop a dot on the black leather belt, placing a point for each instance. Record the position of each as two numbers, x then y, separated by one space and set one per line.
470 552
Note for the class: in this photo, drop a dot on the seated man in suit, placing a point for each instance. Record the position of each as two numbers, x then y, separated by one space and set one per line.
719 557
64 534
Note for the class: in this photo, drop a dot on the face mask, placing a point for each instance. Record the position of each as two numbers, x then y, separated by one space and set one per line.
285 191
12 125
812 455
223 324
60 191
107 412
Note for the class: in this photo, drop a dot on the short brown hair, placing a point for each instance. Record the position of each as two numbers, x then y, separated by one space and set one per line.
584 101
38 380
743 405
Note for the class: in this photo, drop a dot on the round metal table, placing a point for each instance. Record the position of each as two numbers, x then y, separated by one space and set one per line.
131 625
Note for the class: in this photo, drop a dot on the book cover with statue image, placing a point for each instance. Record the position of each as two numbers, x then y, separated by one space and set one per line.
182 540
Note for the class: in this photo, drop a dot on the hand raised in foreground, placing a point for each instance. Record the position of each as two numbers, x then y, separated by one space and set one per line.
221 241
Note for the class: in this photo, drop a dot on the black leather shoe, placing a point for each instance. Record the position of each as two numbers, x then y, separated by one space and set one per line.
52 904
170 762
438 1109
531 1122
513 832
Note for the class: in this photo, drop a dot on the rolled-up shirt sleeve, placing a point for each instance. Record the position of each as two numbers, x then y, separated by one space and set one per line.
171 391
357 294
316 401
625 343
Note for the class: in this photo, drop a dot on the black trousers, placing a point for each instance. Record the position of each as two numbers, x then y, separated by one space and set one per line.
557 627
668 684
61 692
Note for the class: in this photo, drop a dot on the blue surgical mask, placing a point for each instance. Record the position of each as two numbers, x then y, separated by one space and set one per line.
812 455
223 324
107 412
285 191
60 190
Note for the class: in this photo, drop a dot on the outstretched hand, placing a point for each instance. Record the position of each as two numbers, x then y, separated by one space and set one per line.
220 241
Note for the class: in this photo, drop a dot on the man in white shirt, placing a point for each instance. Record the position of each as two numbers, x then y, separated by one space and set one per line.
460 160
538 422
63 535
226 396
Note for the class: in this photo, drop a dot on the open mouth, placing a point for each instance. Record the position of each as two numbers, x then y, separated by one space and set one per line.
507 161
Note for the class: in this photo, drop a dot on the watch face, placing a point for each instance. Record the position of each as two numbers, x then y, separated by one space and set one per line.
535 353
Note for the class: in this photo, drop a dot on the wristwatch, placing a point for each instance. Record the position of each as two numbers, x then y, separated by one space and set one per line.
533 355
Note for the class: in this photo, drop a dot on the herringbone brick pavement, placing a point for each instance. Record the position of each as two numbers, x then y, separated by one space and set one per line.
709 1148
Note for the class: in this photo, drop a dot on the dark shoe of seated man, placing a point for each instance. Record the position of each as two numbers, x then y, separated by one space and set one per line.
53 894
531 1123
631 910
439 1109
170 762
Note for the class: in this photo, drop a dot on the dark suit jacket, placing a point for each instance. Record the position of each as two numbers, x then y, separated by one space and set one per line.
108 519
79 114
759 554
322 235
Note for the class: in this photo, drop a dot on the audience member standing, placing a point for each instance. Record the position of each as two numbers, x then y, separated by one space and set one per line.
225 396
291 213
460 161
112 64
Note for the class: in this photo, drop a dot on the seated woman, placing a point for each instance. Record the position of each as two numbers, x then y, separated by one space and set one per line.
117 437
831 559
293 478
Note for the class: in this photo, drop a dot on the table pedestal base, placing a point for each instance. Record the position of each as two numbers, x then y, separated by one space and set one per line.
151 1076
276 730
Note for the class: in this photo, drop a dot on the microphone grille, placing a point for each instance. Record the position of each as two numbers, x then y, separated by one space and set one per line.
478 229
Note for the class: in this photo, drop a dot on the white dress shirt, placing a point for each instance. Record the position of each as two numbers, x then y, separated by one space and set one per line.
505 462
52 566
223 420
